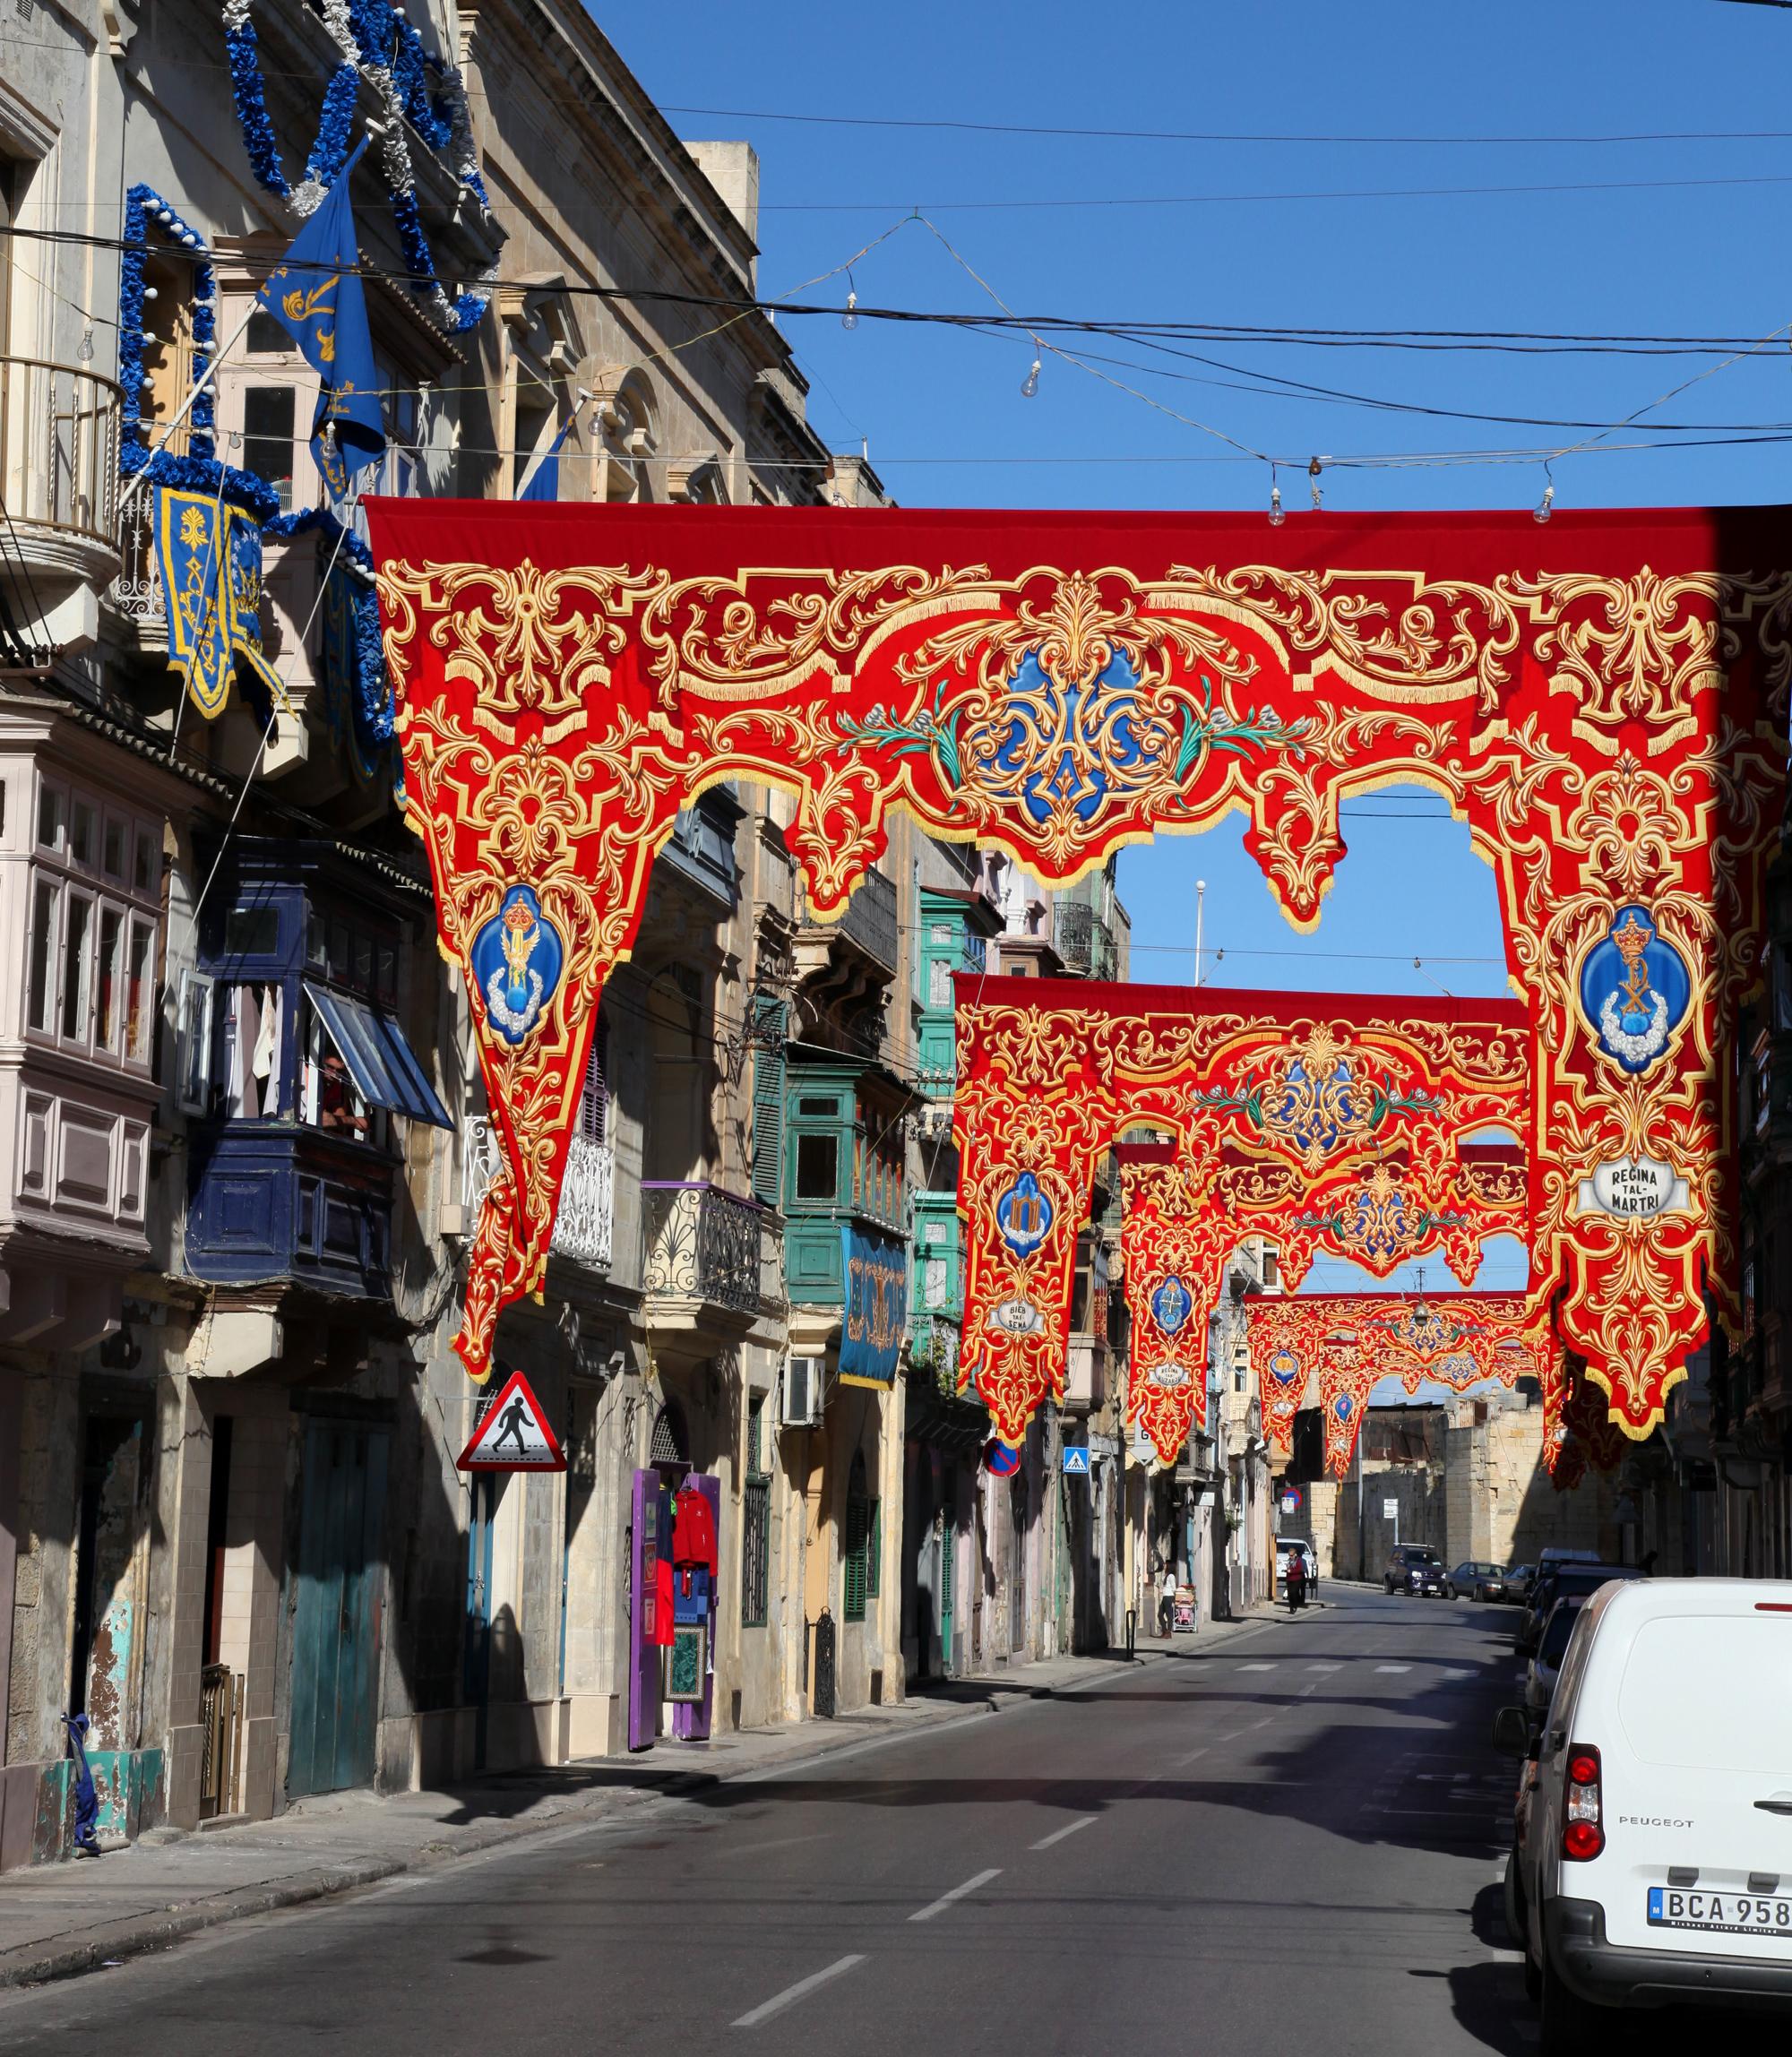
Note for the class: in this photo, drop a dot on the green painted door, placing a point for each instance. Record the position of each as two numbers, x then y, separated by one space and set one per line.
337 1608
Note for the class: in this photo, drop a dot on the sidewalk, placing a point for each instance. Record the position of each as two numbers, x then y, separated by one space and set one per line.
59 1919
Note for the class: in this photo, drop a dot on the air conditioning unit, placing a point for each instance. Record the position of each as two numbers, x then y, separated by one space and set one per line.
802 1406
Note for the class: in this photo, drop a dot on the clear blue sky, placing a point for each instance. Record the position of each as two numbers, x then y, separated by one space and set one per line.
1674 237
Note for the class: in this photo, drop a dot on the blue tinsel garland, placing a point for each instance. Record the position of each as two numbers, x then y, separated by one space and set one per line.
199 470
143 205
385 40
371 705
329 152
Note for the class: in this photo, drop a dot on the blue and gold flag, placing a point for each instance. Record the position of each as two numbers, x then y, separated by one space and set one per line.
210 559
315 294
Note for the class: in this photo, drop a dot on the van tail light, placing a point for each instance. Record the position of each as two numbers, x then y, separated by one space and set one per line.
1583 1833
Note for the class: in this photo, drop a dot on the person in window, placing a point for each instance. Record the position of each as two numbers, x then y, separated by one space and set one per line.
336 1099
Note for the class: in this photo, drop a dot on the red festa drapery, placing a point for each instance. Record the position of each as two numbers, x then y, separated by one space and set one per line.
1602 701
1342 1344
1344 1111
1181 1224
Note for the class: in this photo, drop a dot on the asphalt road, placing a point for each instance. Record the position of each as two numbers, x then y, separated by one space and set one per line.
1292 1845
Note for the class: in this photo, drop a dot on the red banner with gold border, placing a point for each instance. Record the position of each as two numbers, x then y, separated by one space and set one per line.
1179 1229
1342 1107
1453 1340
1602 701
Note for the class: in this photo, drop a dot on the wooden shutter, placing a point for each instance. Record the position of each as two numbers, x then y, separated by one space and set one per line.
594 1102
857 1536
767 1024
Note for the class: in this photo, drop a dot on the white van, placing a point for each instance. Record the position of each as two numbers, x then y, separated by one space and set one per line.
1653 1863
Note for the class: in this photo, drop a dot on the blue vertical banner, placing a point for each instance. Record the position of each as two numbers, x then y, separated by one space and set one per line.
316 295
876 1272
211 557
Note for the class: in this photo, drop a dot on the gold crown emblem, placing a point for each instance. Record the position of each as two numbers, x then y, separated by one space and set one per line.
517 915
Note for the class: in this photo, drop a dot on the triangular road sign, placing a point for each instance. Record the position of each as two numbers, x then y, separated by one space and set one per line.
514 1434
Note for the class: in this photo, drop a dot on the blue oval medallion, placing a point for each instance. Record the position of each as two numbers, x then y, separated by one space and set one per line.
517 959
1634 990
1171 1304
1024 1215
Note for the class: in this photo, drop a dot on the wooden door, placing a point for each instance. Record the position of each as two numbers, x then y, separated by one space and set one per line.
337 1609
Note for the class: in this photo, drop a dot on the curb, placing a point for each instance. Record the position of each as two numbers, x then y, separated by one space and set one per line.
138 1935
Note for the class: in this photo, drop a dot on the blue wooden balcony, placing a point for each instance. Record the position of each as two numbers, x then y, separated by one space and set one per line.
276 1201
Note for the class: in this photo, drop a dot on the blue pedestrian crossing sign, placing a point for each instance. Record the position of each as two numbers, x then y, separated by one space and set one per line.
1075 1460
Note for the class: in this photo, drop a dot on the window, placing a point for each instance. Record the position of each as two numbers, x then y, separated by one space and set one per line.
817 1168
252 1052
112 932
755 1552
46 908
167 350
594 1100
146 873
267 338
268 417
140 1006
939 983
195 1041
80 833
855 1557
89 965
50 808
874 1551
357 1067
77 968
402 471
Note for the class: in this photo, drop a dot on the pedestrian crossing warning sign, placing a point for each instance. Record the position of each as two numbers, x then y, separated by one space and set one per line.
514 1434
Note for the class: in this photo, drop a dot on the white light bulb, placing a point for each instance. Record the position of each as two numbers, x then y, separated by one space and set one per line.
149 292
84 351
1541 513
1277 515
1030 385
849 320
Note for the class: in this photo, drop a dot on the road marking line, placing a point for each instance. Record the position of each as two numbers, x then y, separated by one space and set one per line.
1393 1668
957 1893
1264 1722
1191 1757
791 1994
1325 1667
1058 1835
1454 1674
1307 1689
1256 1667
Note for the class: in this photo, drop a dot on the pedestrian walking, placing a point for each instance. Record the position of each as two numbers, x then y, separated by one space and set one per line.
1296 1580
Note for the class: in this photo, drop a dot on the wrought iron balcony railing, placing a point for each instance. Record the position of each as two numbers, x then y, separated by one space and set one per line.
869 921
584 1223
705 1245
1083 941
60 448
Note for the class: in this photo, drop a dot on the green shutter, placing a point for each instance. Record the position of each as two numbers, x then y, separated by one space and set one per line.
768 1099
853 1580
875 1550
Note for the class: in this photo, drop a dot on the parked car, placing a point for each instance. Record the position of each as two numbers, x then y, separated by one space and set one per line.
1518 1579
1654 1859
1553 1580
1284 1545
1475 1581
1539 1678
1414 1568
